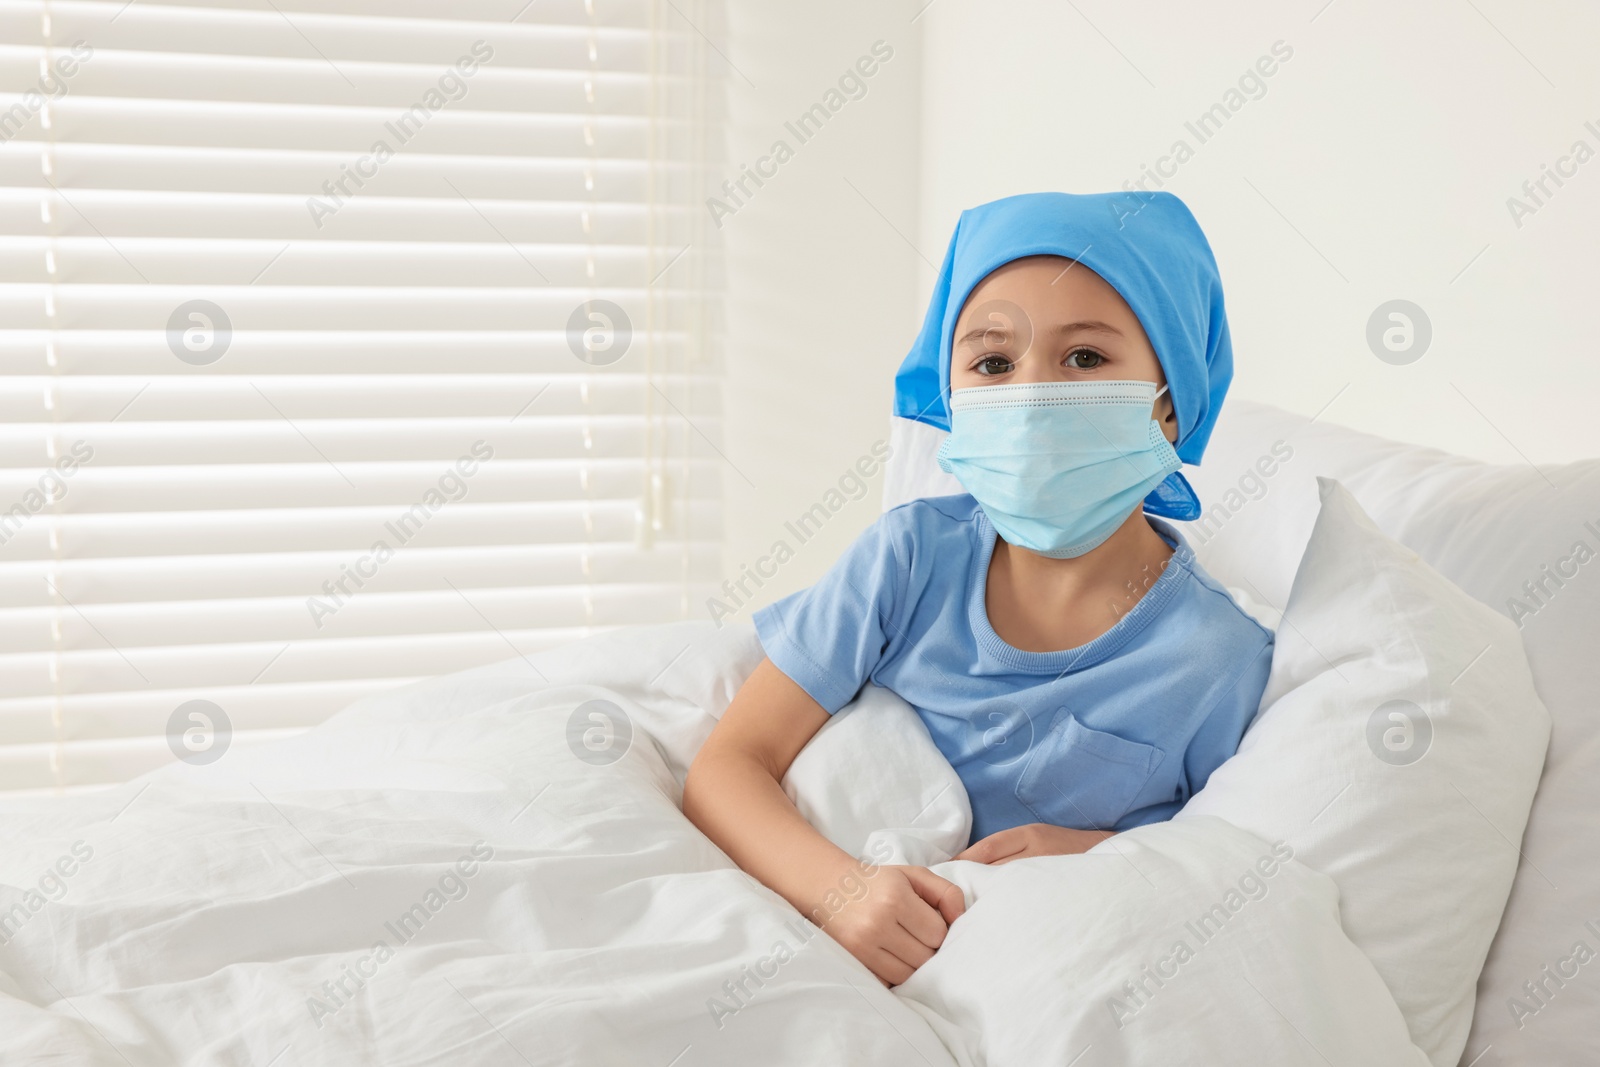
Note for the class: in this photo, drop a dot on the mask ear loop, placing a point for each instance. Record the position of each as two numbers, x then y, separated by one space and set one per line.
1163 389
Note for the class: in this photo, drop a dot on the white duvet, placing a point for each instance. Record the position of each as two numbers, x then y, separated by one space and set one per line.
486 868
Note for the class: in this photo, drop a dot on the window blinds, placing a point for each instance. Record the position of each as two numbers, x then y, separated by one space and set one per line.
342 343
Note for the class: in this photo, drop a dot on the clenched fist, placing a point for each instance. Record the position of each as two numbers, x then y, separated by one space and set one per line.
895 926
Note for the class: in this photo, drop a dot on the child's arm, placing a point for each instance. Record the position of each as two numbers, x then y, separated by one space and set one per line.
734 794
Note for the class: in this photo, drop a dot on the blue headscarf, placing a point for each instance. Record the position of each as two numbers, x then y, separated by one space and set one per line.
1149 248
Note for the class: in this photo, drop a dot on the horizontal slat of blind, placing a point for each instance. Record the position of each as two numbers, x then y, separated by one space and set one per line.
86 261
632 13
172 449
113 215
291 308
385 92
331 494
243 531
133 629
387 314
192 397
267 354
230 575
332 39
301 172
283 437
184 124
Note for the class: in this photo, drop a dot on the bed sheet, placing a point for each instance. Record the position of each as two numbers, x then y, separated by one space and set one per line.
492 867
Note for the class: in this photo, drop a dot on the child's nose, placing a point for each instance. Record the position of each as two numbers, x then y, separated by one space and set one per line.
1033 368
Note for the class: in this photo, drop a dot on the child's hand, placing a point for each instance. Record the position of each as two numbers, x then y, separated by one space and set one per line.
895 927
1034 839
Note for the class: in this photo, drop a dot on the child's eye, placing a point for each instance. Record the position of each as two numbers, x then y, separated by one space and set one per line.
993 364
1076 357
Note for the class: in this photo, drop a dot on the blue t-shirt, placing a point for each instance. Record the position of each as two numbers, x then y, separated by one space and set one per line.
1112 734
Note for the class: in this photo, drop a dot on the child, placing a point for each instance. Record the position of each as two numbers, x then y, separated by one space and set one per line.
1076 665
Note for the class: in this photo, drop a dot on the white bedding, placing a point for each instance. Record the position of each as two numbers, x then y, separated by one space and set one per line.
1517 538
595 927
590 923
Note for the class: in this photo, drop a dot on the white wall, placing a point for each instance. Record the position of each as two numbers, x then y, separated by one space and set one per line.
1376 166
821 288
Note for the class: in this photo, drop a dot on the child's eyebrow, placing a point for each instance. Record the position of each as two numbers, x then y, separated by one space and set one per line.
1088 324
980 333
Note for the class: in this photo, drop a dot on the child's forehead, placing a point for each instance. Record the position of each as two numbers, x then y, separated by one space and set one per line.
1044 280
1037 290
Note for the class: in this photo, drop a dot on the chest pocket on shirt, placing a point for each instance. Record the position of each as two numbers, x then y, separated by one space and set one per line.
1085 778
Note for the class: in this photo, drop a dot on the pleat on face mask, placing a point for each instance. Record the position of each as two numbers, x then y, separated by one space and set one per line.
1058 466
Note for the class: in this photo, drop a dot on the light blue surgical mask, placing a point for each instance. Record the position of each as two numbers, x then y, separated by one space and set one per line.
1057 466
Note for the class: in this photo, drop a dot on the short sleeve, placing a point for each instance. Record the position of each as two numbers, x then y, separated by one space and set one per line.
830 637
1219 736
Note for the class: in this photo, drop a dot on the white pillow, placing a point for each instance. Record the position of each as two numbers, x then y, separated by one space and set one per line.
1491 529
874 784
871 780
1398 750
1265 614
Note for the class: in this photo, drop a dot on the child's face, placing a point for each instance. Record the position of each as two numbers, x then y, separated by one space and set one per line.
1049 319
